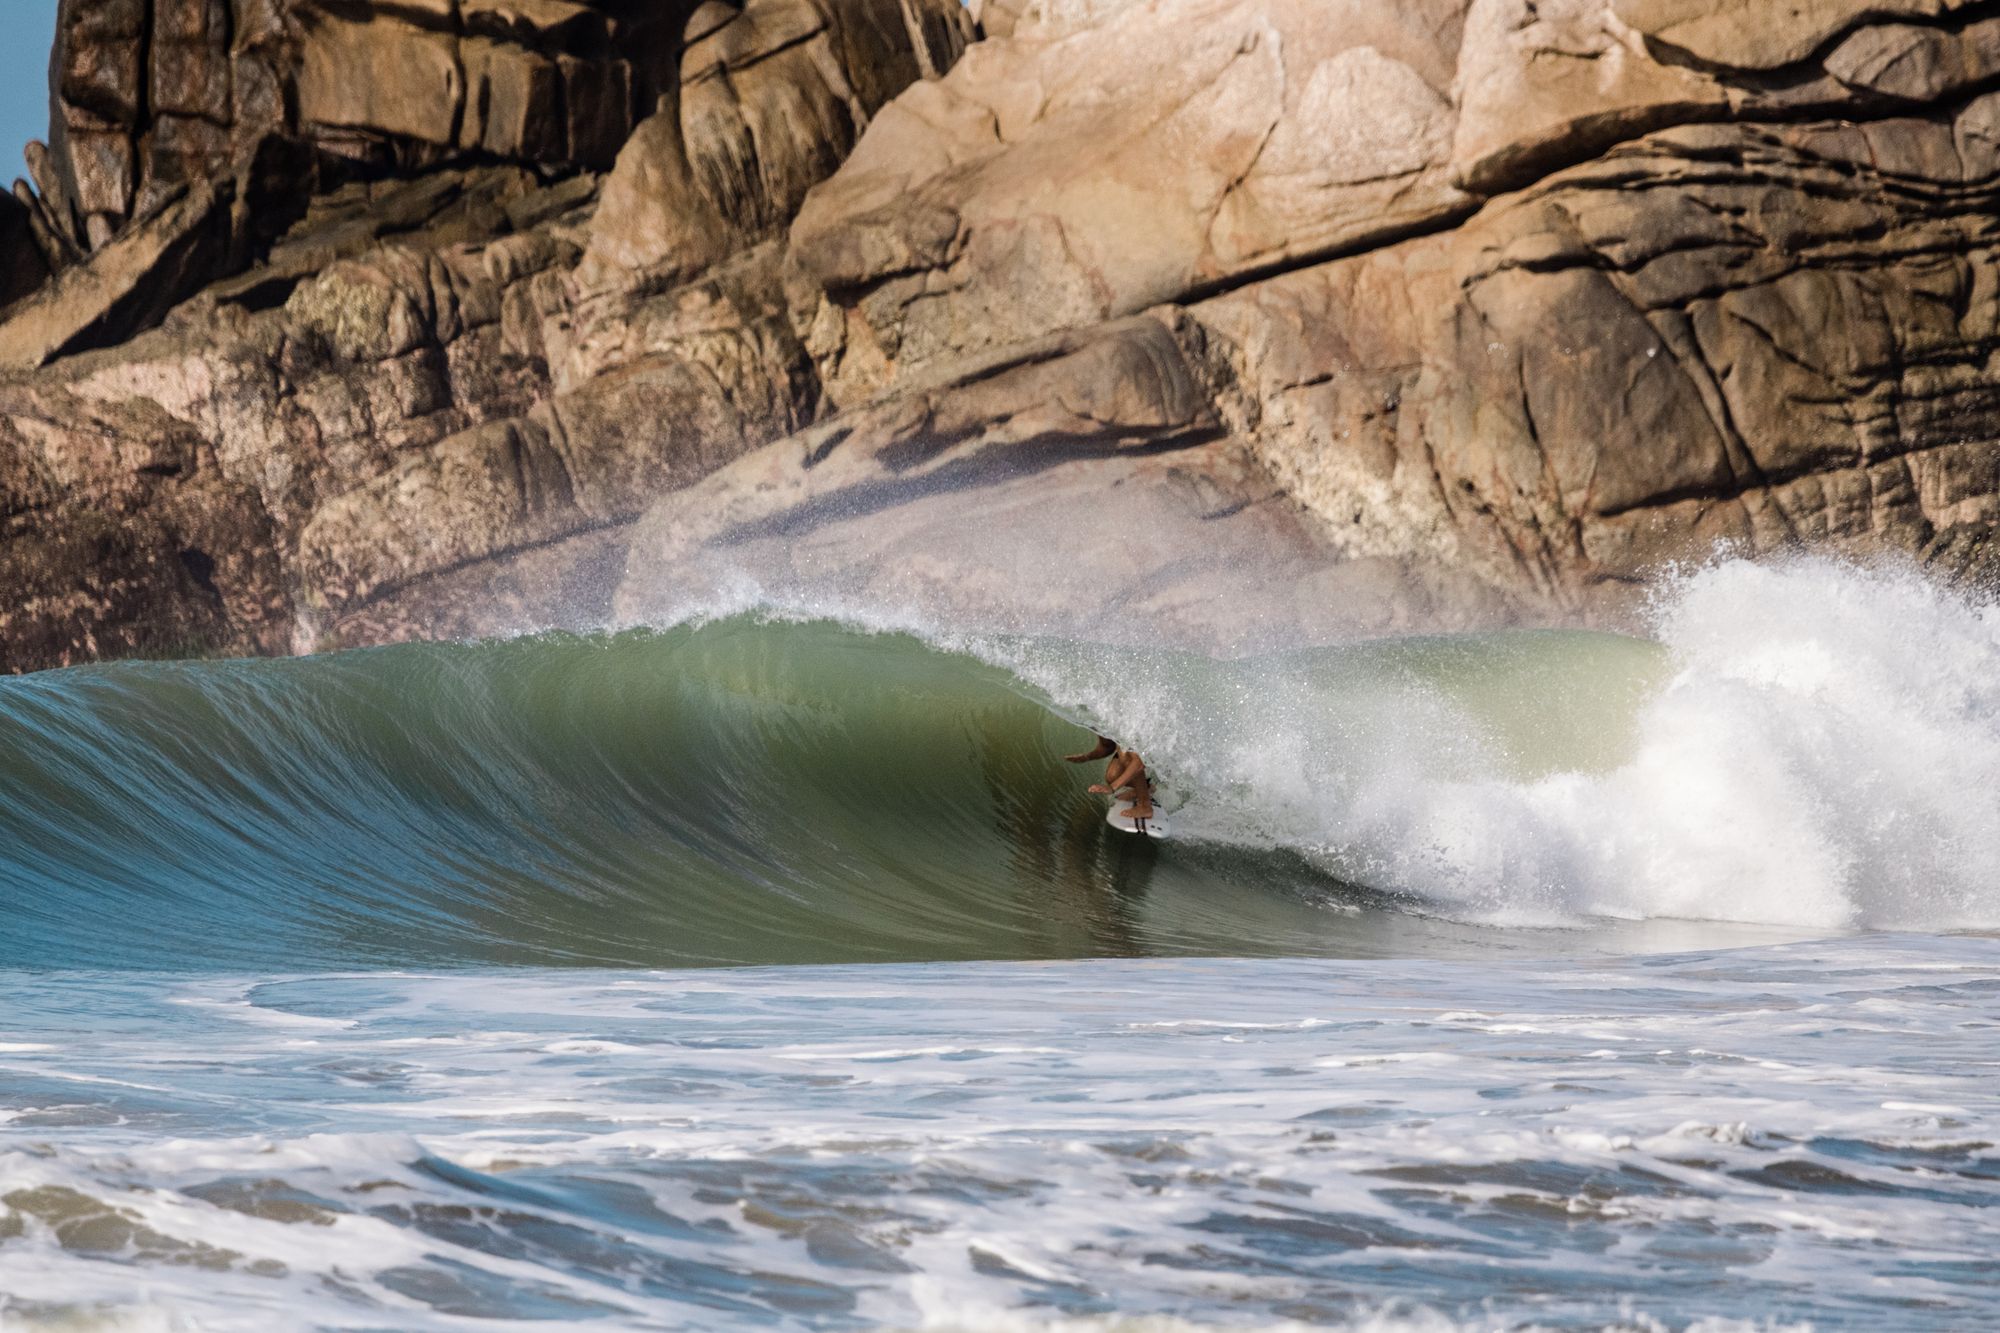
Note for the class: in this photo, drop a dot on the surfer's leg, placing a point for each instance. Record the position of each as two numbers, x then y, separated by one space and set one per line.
1128 779
1141 795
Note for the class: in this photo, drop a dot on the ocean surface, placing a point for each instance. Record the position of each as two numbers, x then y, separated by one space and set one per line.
770 970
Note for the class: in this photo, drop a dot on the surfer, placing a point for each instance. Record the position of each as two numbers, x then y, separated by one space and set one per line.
1126 772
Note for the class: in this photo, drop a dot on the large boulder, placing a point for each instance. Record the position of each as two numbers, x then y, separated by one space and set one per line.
392 380
149 96
128 285
1547 294
772 98
1070 175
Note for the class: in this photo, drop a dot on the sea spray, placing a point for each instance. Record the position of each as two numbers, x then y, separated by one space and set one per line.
1809 743
1824 754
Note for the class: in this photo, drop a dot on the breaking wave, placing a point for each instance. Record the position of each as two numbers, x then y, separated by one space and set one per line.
1811 746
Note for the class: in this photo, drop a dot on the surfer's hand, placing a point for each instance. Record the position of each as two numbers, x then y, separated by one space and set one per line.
1083 758
1100 789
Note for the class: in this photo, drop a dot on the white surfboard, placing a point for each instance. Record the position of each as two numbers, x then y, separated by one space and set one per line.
1121 819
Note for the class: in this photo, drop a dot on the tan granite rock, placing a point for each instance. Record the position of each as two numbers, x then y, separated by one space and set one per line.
124 287
1919 64
1541 85
1232 322
1758 335
1084 170
1048 182
294 96
401 386
771 100
1750 35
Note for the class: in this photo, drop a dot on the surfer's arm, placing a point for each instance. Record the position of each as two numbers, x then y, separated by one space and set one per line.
1102 750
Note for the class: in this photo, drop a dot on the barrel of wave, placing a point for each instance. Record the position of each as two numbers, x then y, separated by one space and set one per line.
1812 745
745 791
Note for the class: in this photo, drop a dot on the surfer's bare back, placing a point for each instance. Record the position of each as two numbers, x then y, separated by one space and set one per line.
1126 772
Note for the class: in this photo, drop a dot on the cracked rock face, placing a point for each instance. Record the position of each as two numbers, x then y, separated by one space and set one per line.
152 95
1544 295
396 358
1237 322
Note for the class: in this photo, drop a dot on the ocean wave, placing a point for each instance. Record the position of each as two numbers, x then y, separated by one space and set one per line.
1812 746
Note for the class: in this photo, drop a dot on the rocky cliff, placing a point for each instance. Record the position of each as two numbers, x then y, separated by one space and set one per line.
327 321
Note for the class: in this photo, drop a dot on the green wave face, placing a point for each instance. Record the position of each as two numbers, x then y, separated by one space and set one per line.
745 791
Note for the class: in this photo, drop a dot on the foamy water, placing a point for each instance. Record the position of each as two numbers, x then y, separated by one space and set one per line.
1763 1138
1826 753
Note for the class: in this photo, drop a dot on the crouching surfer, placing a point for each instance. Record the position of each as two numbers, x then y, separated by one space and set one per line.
1125 773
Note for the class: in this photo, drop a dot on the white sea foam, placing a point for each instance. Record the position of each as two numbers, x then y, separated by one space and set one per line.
1826 754
1820 748
942 1312
1143 1147
943 1315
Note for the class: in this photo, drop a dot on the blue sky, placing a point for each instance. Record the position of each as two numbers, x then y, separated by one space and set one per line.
27 28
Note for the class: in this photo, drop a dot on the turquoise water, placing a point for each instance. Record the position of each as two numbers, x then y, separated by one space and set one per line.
742 792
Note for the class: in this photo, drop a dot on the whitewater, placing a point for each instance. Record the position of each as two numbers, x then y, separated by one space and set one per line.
1527 979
